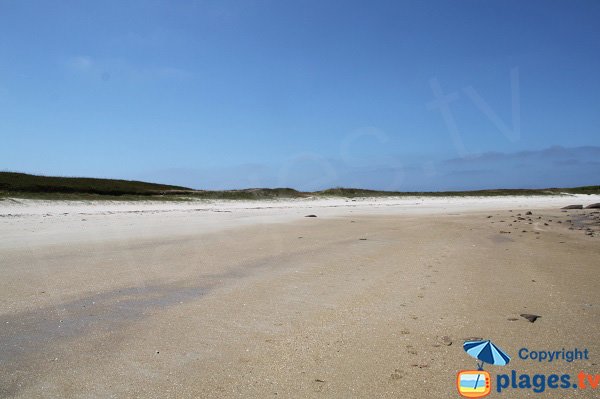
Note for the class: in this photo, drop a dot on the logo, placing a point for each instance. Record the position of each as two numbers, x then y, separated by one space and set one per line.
477 383
473 383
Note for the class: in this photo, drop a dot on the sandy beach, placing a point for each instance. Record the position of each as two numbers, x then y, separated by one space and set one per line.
372 298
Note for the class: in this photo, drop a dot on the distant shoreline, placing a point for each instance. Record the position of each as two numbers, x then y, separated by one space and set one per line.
26 186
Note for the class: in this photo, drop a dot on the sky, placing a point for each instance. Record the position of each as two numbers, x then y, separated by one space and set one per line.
395 95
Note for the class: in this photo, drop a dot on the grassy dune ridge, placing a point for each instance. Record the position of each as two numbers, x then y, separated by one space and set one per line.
21 185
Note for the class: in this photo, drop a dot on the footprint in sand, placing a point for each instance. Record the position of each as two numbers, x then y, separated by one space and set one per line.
397 374
318 385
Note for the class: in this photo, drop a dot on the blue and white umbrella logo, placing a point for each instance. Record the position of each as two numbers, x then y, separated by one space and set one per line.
486 352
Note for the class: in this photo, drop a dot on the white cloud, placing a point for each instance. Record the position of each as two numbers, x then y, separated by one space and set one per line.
122 68
314 172
80 63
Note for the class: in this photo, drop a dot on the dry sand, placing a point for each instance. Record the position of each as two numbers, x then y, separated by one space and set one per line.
371 299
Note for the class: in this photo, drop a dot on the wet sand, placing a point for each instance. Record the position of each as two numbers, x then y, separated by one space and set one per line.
366 300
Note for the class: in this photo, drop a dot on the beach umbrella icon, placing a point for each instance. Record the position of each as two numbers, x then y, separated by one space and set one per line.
486 352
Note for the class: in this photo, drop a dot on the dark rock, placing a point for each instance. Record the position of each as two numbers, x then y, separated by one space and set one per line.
572 207
310 216
530 317
528 213
593 206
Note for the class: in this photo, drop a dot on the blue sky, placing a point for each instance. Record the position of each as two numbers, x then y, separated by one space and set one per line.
400 95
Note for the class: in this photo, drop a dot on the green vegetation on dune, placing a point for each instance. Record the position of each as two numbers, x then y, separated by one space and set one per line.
250 193
21 185
25 183
354 192
581 190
